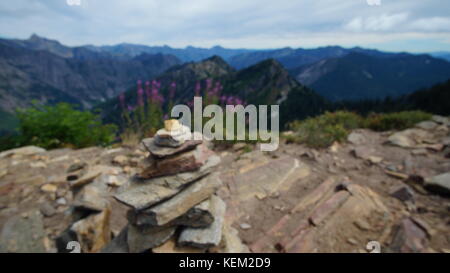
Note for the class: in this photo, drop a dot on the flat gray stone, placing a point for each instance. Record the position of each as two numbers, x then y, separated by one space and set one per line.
23 233
178 205
143 238
90 198
427 125
356 138
408 238
47 209
209 236
409 138
441 120
403 193
161 152
119 244
85 176
198 216
439 184
142 194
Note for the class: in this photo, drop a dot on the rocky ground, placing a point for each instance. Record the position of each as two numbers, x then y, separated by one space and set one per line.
392 188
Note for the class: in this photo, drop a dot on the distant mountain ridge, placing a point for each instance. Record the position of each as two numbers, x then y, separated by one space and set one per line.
238 58
37 74
48 71
267 82
358 76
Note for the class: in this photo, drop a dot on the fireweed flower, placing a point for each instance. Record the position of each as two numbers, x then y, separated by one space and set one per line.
223 99
197 89
208 84
147 90
140 97
130 108
156 97
230 100
140 94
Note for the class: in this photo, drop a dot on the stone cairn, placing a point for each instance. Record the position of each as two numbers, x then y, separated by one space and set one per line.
172 201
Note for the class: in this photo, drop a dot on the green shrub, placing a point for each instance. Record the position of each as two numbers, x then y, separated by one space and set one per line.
62 126
395 121
348 120
322 131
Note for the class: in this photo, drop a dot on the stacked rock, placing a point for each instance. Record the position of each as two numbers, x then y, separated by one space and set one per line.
173 198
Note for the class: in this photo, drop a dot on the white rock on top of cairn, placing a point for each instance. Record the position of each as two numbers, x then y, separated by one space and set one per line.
174 134
184 201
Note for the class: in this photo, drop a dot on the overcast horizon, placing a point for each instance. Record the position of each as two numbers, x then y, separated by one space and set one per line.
401 25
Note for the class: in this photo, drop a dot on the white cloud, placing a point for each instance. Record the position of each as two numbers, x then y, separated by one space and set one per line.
383 22
431 24
231 23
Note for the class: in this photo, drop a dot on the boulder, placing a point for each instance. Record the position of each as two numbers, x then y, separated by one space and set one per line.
178 205
208 236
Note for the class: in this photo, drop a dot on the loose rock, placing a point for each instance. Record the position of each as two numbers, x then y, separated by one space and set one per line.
144 238
209 236
439 184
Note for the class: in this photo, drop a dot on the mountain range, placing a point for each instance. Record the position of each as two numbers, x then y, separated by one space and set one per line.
358 76
265 83
47 71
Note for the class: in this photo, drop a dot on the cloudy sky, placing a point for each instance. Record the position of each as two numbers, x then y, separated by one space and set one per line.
394 25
